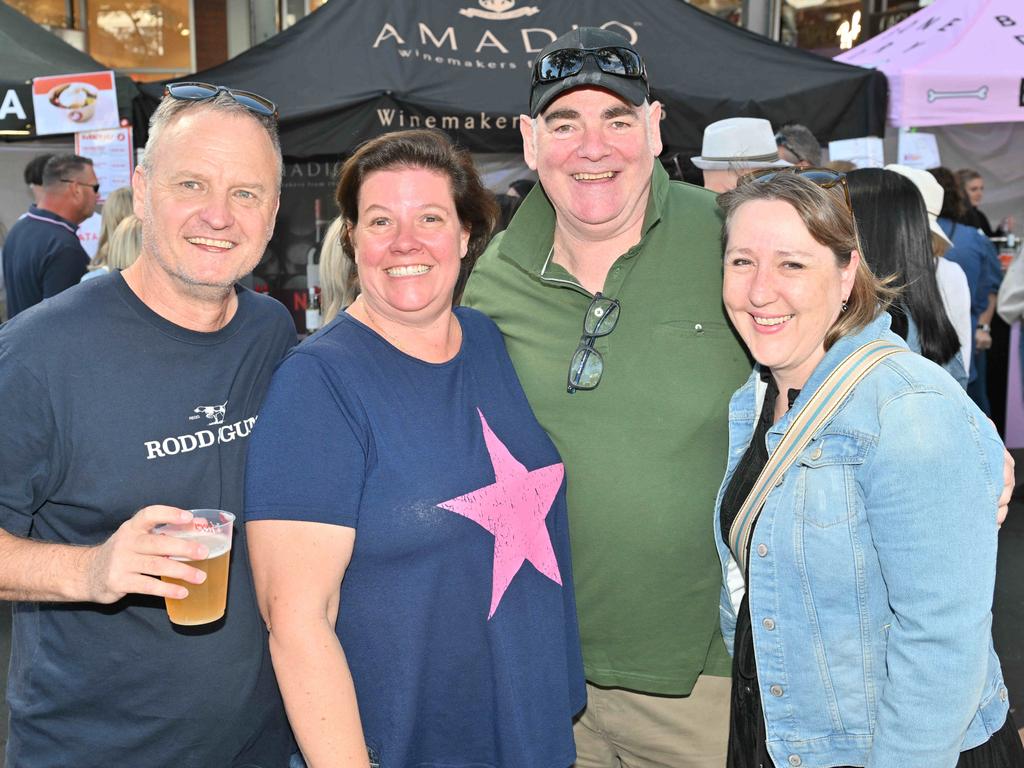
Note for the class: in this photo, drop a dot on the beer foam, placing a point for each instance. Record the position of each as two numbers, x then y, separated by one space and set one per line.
217 545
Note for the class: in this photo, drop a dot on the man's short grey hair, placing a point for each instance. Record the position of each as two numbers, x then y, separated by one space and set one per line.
799 140
170 109
60 167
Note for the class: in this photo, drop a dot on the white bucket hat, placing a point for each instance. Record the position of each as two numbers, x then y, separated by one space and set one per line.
739 142
930 190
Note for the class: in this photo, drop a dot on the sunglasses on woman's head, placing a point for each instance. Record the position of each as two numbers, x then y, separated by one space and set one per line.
825 178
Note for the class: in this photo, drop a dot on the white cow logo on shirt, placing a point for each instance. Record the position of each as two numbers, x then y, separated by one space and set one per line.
215 413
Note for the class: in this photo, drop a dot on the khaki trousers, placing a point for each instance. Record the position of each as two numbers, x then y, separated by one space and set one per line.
624 729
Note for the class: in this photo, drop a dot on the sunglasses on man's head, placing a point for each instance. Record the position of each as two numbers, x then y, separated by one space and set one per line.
255 103
825 178
612 60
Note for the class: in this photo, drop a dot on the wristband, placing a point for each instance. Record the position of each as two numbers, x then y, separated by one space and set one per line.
985 327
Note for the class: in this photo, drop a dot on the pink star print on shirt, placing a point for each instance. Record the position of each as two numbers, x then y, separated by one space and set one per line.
513 509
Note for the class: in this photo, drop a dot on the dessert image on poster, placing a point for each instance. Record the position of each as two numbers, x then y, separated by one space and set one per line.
71 103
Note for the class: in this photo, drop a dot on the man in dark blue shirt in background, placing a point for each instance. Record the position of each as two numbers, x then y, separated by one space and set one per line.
42 254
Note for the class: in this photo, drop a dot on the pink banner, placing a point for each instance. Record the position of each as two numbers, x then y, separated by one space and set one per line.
954 62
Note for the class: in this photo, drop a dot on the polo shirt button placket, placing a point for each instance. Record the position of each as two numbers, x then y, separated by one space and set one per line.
616 279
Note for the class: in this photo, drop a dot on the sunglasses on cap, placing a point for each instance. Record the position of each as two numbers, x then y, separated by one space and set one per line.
825 178
611 59
202 91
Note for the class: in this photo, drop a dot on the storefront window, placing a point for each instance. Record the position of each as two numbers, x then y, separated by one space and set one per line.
823 26
730 10
149 41
52 13
293 10
889 15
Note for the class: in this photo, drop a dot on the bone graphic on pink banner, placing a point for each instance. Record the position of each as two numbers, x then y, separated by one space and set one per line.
952 62
978 93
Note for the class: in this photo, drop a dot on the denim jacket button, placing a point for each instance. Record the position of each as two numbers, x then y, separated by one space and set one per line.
795 760
817 454
1002 694
762 550
768 624
775 690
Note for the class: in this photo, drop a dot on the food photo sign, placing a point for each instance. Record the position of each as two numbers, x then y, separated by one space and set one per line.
73 103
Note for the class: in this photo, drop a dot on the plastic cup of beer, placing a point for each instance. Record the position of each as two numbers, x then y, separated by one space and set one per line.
205 602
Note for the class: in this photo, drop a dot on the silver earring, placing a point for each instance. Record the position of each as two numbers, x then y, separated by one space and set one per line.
843 309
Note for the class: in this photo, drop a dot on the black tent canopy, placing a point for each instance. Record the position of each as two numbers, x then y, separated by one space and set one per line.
27 51
353 70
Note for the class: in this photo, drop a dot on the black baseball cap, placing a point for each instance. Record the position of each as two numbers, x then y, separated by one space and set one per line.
608 61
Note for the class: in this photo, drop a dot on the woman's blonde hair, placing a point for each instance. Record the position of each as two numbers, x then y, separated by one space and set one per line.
339 281
125 243
117 206
829 220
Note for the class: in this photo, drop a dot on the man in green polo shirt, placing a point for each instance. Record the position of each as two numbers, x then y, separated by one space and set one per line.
608 247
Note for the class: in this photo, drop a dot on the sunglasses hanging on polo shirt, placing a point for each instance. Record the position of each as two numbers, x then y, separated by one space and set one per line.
587 365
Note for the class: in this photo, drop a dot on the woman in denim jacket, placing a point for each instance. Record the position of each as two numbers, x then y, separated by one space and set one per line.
861 632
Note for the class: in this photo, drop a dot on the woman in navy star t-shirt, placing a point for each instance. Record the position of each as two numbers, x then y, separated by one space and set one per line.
405 511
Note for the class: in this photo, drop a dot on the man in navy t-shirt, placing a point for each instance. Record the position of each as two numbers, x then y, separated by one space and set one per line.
42 254
128 401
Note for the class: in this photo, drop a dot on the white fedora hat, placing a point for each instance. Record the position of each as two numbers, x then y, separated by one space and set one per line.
739 142
930 190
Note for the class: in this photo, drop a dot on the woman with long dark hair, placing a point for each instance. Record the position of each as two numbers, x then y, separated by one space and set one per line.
893 225
976 254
